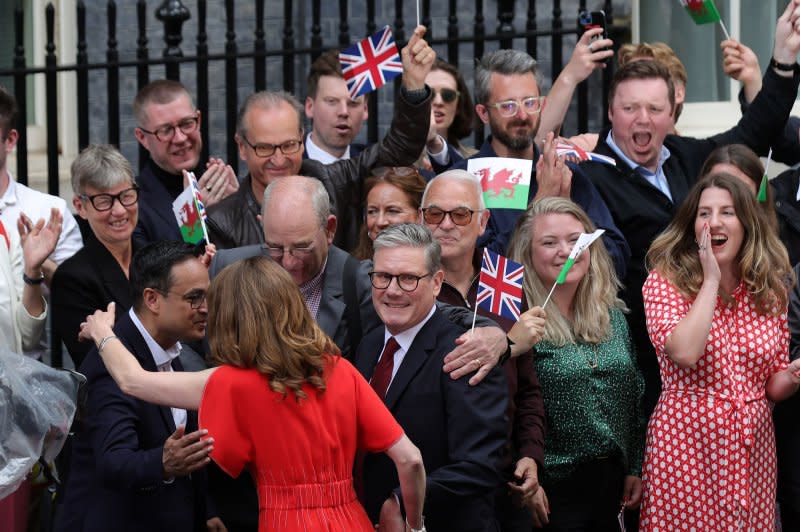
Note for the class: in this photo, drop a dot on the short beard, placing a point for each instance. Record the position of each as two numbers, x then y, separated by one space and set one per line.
515 144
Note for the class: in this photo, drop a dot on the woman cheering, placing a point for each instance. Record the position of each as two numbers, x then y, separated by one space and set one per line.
715 303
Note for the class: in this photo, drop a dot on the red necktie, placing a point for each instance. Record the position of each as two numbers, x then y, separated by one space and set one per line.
5 235
383 370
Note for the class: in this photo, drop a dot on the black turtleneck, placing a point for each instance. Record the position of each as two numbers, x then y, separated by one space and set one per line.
173 183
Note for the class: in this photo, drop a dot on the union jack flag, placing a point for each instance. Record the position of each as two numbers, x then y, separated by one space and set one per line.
570 151
500 285
370 63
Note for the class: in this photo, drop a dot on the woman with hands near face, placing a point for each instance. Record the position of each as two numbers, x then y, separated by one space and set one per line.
715 303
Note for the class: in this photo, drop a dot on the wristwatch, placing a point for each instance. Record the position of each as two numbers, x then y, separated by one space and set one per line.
33 280
783 67
422 525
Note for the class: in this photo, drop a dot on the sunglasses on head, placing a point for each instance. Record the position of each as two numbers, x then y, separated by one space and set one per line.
448 95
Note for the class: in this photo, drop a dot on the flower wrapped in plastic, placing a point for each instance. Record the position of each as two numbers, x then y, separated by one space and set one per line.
37 406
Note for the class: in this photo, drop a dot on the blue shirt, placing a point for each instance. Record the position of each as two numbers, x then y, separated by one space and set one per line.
657 178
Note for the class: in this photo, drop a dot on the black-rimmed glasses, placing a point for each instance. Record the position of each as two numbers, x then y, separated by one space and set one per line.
407 282
265 150
459 215
105 202
166 132
531 105
195 298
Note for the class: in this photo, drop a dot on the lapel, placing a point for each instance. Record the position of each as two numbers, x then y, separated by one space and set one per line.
109 272
139 349
331 305
368 352
415 359
157 196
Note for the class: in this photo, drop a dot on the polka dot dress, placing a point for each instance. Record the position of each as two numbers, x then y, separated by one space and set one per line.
710 453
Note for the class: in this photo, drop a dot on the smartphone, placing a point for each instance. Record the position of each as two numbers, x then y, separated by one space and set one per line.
594 19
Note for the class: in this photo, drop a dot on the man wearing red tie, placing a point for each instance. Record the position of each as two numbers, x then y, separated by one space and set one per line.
460 429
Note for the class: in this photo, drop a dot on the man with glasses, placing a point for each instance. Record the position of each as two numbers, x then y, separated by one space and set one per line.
508 100
459 429
168 127
134 463
454 211
270 139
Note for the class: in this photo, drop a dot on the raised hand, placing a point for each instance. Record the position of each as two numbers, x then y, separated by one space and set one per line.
38 240
418 58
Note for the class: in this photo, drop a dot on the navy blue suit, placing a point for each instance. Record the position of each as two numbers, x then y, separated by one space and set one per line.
460 430
502 221
116 482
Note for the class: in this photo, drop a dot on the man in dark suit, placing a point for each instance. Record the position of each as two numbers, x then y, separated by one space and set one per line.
168 127
138 466
460 429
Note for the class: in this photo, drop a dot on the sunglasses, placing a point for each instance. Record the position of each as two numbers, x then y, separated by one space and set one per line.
448 95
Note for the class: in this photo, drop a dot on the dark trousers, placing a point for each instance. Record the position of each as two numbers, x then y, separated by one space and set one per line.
588 500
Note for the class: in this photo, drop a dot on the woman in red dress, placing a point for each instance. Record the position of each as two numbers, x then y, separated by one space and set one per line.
283 403
715 303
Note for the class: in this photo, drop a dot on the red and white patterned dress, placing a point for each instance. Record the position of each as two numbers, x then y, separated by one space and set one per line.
710 454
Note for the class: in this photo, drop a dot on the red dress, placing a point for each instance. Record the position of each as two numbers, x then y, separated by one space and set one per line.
710 455
300 454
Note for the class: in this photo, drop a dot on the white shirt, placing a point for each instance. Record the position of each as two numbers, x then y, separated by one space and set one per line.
18 329
36 205
404 340
163 359
318 154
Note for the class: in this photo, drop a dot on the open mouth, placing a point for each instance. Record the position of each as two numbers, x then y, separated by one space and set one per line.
642 139
718 240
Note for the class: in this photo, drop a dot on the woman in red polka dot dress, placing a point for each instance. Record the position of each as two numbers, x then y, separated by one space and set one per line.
715 303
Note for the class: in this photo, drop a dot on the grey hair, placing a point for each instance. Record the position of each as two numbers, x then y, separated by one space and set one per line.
414 236
457 175
100 166
505 63
268 100
302 186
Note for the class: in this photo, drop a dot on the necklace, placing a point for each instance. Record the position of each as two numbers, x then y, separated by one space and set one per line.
591 361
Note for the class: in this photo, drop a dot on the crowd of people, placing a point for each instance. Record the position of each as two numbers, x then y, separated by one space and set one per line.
321 364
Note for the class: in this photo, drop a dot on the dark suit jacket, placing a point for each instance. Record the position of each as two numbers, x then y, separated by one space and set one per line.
787 208
116 482
85 282
460 430
156 218
642 212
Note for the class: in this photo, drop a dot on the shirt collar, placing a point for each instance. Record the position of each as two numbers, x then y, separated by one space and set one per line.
315 282
161 356
318 154
10 196
406 338
665 153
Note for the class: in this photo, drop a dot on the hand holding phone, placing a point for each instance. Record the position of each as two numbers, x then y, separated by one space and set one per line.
589 20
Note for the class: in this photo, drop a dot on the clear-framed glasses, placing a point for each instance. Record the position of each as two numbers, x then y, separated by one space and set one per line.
265 150
104 202
448 95
407 282
459 215
277 252
195 298
166 132
532 105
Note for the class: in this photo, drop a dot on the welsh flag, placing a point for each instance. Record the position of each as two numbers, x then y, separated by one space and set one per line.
190 213
584 241
701 11
505 182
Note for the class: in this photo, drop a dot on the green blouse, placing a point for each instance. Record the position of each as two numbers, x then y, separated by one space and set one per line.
592 399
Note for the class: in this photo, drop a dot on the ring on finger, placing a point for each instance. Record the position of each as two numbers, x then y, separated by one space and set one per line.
208 188
591 48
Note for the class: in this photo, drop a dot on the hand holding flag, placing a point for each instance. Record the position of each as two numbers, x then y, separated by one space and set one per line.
573 153
584 241
190 212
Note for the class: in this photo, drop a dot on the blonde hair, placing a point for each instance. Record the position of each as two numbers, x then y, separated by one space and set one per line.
259 320
597 291
763 261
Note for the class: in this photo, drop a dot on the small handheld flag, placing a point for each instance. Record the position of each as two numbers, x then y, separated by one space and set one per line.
500 286
191 213
505 182
762 189
584 241
570 151
370 63
704 12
